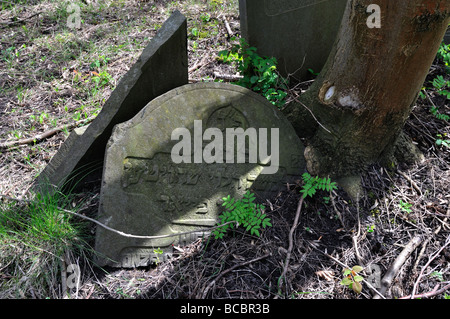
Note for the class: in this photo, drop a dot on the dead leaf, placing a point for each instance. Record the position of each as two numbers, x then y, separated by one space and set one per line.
328 275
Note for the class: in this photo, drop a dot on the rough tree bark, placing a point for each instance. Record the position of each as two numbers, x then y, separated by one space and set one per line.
368 86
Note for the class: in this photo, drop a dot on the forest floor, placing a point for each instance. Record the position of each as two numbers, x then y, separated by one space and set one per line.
53 76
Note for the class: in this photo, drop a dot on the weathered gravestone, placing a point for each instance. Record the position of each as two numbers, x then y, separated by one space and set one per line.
161 67
299 33
167 169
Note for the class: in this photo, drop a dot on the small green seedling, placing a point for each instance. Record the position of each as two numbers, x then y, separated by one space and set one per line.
406 207
371 228
442 141
157 253
352 280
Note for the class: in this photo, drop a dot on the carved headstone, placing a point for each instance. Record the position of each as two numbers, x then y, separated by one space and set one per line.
167 169
299 33
165 55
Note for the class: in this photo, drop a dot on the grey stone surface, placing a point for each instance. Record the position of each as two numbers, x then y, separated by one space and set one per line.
447 36
299 33
145 193
161 67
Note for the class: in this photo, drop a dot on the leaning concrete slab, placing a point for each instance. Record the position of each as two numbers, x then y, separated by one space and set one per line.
161 67
299 33
149 190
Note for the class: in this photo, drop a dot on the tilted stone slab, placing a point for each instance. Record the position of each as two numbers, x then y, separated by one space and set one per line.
148 191
161 67
299 33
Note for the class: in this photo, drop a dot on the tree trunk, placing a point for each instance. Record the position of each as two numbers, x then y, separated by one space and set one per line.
353 114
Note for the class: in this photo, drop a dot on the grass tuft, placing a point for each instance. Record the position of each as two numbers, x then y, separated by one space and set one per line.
38 239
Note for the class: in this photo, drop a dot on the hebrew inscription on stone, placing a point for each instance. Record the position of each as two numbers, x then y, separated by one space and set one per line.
145 193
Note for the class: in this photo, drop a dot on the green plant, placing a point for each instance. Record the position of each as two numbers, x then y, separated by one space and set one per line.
438 275
406 207
312 184
101 79
352 280
259 73
205 17
43 234
204 27
215 3
441 141
157 252
444 54
312 72
195 32
229 56
245 213
439 83
371 228
101 61
435 111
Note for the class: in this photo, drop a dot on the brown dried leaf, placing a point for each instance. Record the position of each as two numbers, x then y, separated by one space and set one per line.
325 274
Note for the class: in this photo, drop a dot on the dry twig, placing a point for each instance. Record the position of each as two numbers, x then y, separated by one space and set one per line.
43 136
212 283
7 24
227 77
397 264
291 243
227 26
199 64
447 242
206 230
414 185
436 291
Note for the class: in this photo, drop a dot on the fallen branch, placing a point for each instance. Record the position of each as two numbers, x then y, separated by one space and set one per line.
212 283
227 77
397 264
227 26
291 243
436 232
43 136
355 237
436 254
429 294
414 185
336 210
199 64
21 20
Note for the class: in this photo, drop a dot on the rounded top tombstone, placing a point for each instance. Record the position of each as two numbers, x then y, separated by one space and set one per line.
167 169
